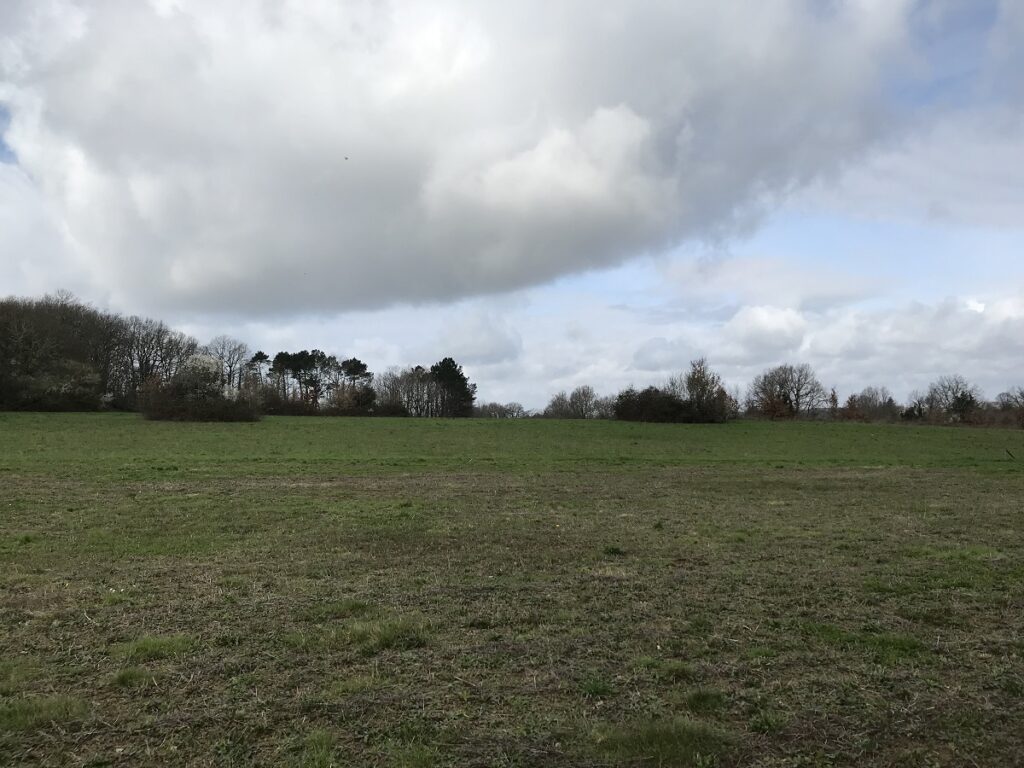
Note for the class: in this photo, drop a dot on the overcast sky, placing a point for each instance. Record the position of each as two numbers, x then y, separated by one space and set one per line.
554 193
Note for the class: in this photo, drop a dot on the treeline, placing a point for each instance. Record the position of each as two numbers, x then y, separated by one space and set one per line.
58 354
789 392
698 396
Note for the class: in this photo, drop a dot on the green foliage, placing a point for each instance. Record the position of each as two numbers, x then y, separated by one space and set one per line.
653 405
456 394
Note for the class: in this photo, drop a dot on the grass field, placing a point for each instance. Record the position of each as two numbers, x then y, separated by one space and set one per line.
316 592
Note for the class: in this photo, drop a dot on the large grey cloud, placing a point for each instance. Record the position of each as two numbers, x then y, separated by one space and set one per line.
270 157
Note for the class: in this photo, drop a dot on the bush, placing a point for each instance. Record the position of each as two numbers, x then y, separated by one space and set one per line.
652 404
195 393
390 409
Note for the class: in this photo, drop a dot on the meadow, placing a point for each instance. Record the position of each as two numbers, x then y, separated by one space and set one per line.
317 592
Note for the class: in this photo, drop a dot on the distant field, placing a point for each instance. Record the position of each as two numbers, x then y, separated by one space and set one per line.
315 592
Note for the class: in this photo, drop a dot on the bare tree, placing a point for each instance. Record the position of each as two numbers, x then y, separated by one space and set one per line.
872 404
583 402
953 398
917 405
1013 402
499 411
151 350
232 354
786 391
604 408
559 407
441 391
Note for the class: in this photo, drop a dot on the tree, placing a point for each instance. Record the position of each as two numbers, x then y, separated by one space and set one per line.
953 398
257 366
604 408
871 404
500 411
786 391
558 407
1013 402
703 390
652 404
231 354
195 393
454 393
917 406
355 371
583 402
444 390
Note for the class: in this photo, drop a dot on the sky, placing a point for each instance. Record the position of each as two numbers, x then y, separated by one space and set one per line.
553 193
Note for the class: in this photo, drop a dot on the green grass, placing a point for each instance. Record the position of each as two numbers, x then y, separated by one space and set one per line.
133 677
596 686
705 700
887 647
369 637
669 670
335 610
317 750
439 593
767 721
391 633
38 712
154 648
356 684
15 675
670 743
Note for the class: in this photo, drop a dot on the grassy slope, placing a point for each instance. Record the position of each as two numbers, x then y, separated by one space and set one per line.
388 592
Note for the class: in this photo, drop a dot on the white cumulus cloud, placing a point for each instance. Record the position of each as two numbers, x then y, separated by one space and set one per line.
254 157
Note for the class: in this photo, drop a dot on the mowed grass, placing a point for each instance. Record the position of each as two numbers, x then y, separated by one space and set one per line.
446 593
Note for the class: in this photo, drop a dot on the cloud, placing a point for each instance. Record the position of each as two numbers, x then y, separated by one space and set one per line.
32 247
661 354
765 331
481 338
961 172
269 158
902 346
753 280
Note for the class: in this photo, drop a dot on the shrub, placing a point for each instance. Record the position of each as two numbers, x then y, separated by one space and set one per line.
652 404
195 393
